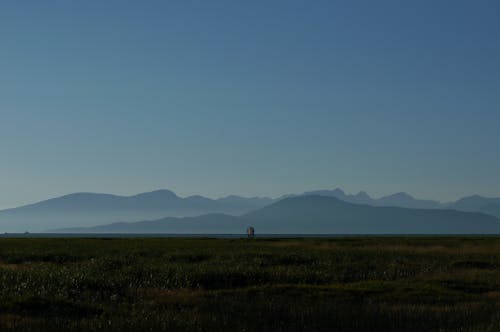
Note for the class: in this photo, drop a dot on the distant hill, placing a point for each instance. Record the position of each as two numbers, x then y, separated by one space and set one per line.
215 223
478 203
319 215
89 209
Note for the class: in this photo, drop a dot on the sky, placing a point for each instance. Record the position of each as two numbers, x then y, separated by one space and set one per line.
249 97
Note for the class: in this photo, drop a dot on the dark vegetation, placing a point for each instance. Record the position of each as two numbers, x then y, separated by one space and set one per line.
340 284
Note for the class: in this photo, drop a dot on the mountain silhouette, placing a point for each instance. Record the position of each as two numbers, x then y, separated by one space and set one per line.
88 209
318 215
214 223
478 203
471 204
399 200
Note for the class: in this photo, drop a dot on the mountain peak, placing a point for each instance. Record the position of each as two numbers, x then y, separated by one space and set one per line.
164 193
338 191
400 195
363 195
472 197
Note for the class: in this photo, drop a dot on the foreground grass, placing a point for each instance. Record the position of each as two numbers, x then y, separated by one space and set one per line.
341 284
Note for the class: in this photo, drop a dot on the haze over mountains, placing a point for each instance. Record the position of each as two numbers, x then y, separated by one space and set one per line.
89 209
317 215
473 203
399 199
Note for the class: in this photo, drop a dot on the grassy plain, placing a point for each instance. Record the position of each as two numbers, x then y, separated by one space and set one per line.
321 284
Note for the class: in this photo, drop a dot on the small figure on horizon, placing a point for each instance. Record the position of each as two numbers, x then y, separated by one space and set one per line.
250 232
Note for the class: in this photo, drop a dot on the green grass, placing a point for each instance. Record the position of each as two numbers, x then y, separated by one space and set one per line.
338 284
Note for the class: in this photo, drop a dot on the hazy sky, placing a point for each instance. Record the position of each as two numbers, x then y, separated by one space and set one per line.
249 97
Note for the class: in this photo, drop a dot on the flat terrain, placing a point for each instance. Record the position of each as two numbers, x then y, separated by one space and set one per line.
174 284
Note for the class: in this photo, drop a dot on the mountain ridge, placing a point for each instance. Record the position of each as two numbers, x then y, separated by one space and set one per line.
316 215
93 209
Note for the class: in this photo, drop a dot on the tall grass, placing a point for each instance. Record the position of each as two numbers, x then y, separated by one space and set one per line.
341 284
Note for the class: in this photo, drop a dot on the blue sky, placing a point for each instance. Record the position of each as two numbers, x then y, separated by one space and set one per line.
251 98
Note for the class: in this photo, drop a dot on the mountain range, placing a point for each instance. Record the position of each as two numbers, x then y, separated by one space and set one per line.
316 215
90 209
474 203
399 199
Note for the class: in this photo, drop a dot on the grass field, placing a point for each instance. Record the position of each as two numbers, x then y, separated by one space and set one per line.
172 284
